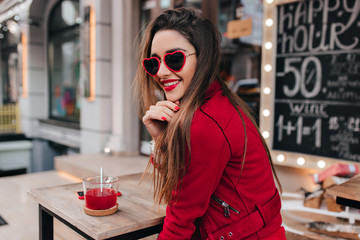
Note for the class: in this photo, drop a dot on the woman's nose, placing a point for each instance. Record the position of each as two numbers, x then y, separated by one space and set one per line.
163 70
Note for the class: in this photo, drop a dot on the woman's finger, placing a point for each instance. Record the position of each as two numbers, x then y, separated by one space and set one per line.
157 113
173 106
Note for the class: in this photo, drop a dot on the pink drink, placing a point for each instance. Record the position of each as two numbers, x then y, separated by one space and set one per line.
97 200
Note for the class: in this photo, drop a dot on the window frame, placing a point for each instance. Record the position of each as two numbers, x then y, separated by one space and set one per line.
50 35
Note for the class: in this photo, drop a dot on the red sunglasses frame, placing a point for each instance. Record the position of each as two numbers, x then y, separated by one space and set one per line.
159 62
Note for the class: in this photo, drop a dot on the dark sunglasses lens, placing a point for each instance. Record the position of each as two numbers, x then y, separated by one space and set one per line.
151 66
175 61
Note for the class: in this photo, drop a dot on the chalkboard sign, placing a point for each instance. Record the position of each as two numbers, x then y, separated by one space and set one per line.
317 86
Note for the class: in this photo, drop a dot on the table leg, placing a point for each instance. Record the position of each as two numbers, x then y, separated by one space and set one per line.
139 233
46 228
46 225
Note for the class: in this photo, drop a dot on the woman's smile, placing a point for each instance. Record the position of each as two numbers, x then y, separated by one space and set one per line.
170 84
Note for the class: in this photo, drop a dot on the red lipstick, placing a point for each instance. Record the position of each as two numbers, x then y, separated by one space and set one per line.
171 87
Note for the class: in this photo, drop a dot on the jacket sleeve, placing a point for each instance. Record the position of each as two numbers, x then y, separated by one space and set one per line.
210 153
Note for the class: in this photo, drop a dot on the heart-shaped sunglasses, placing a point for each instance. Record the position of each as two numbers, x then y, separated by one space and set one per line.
174 61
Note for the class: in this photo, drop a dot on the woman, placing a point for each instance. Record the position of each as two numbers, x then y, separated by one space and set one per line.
211 165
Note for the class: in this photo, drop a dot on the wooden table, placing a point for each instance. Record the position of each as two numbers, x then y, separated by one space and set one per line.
137 216
347 193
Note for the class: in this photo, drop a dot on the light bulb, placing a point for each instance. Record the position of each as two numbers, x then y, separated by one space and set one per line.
266 134
300 161
267 91
269 22
268 67
268 45
280 158
266 112
321 164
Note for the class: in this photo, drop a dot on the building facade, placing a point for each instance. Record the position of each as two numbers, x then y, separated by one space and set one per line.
76 60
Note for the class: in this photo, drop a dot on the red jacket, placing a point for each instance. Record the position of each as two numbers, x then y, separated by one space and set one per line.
217 147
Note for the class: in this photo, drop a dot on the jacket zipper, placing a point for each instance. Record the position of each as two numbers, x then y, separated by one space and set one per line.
225 206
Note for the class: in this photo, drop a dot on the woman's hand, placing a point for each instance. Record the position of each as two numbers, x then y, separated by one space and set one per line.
157 116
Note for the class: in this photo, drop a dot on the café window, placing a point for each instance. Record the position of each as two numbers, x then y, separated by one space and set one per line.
10 80
64 61
240 24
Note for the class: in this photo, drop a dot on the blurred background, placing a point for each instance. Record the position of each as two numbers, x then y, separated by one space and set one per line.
67 69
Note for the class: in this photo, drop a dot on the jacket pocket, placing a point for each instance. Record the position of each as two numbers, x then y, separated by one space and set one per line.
227 208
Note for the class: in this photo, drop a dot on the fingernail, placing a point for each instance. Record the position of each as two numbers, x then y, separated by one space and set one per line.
163 118
177 108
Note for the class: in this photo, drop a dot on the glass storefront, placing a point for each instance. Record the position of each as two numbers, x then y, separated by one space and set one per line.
11 80
64 61
241 53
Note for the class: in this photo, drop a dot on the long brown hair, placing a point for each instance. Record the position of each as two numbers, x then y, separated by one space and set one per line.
174 142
